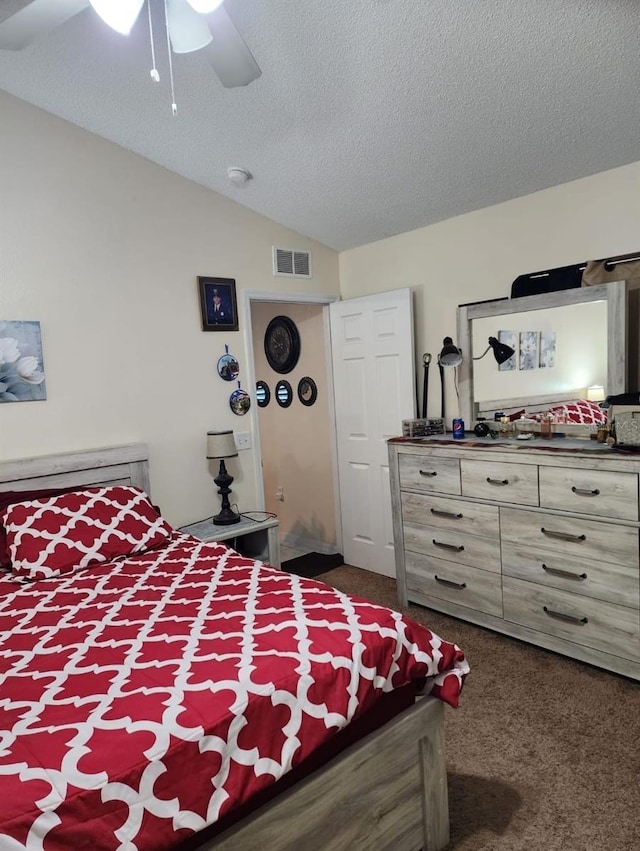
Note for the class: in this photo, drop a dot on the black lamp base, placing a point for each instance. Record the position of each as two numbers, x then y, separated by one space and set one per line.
226 518
227 515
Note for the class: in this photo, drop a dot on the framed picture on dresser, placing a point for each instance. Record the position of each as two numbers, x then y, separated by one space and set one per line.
218 304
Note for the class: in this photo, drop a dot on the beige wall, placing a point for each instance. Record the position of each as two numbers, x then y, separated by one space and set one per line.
296 442
477 256
103 248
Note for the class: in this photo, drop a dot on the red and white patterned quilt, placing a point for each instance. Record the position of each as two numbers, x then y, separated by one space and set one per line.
142 699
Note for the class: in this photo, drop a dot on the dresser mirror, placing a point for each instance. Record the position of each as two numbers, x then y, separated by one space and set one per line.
564 342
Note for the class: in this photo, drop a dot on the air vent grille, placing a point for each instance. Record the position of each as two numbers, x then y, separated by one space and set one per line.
295 264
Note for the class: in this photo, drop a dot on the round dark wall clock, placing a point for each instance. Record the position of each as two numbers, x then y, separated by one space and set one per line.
282 344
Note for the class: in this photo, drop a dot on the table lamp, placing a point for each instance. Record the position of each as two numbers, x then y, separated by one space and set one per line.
221 445
595 393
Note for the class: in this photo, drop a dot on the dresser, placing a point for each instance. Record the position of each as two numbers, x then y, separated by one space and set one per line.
538 540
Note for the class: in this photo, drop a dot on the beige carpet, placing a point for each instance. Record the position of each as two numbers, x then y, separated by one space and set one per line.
543 753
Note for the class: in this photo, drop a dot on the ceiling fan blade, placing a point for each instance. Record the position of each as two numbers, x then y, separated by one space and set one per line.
228 54
36 18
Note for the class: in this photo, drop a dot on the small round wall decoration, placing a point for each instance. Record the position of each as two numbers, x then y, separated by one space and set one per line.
263 394
307 391
284 394
228 366
239 401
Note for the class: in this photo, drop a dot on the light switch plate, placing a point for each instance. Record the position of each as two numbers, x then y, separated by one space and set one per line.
242 439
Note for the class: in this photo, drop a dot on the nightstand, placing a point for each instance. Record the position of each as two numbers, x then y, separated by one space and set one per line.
257 539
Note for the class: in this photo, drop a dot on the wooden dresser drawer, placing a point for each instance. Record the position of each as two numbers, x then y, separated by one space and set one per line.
582 539
455 546
598 492
467 586
429 474
453 514
592 623
500 481
616 583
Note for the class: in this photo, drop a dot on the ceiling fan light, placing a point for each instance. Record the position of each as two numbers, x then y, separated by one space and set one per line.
120 15
204 6
188 30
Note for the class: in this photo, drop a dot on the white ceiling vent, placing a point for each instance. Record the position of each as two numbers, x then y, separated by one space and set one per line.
293 264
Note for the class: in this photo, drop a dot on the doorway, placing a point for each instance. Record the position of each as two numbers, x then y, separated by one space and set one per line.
294 426
366 348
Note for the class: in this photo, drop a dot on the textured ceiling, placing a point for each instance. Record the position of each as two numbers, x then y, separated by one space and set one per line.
372 117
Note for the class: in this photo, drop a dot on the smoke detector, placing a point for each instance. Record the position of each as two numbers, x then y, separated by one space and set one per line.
238 176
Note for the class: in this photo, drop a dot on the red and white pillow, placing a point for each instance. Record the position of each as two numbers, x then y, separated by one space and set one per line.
9 497
54 535
581 411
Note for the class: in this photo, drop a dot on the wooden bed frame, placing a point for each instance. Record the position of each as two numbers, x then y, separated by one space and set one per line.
387 791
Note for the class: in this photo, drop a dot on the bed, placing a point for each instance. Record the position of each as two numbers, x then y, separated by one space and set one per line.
96 754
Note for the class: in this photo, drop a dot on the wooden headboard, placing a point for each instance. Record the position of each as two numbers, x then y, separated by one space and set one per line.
113 465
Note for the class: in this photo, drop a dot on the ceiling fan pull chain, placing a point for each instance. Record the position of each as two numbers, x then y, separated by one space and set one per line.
174 105
154 71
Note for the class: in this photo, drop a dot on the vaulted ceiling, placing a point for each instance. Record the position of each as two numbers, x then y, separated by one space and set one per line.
371 117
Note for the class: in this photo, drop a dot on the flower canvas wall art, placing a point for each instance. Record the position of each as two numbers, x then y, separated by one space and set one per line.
21 364
528 349
510 338
547 349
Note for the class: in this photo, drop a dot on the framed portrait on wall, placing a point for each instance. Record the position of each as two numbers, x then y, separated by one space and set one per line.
218 305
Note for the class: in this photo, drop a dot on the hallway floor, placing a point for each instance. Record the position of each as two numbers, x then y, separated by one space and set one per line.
289 552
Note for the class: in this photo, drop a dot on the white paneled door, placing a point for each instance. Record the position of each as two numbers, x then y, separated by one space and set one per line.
374 385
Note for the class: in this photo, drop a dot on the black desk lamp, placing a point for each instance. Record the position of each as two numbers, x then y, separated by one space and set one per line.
501 351
220 444
450 355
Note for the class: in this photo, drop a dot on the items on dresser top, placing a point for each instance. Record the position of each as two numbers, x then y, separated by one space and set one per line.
535 541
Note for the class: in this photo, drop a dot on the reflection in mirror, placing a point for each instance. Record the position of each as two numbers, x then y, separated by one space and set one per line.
564 342
558 350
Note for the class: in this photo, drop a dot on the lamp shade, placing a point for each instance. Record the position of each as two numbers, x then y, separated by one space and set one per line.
501 351
220 444
120 15
204 6
595 393
188 30
450 354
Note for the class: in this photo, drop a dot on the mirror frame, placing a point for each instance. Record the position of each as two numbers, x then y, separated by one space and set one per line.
616 296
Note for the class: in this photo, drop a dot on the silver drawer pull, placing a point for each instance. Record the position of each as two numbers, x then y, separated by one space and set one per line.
585 491
563 536
448 546
566 574
450 584
452 514
568 618
429 473
500 482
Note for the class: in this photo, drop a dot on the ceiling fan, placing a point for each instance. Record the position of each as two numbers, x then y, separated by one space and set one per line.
191 24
